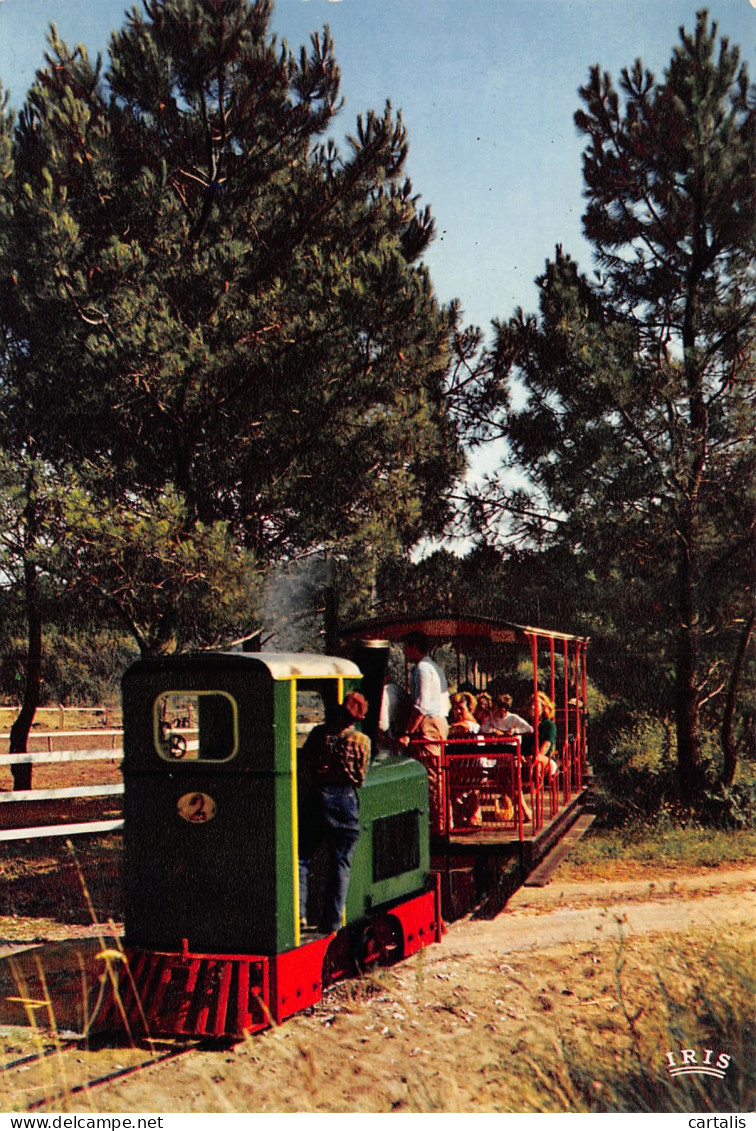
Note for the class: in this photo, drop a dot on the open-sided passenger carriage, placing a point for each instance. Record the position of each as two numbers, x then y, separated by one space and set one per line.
517 811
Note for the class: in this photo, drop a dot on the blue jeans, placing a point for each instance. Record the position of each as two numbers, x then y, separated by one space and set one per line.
334 817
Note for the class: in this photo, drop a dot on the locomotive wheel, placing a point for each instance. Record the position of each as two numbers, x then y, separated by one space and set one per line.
337 963
378 944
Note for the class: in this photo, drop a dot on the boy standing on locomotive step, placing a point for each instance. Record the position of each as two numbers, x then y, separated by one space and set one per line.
339 757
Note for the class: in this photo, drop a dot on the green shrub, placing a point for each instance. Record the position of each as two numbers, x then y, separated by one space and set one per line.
731 807
635 774
636 777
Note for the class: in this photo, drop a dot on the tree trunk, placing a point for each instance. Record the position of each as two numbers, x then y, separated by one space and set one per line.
19 732
685 691
729 748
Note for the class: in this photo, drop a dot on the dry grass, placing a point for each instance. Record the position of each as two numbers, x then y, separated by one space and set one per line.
581 1030
584 1028
633 853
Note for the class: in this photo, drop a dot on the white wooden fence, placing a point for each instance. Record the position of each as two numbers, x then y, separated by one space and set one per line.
113 752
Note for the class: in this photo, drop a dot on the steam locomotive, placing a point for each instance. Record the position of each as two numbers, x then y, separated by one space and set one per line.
213 944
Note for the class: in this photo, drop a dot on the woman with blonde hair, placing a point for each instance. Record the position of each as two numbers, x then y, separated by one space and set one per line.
545 747
462 721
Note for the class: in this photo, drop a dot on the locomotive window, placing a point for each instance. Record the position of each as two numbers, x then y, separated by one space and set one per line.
316 700
310 711
196 726
396 845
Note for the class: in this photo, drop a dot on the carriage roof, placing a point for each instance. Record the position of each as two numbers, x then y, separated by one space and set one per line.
452 628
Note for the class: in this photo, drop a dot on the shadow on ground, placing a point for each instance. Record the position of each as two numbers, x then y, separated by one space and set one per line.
62 881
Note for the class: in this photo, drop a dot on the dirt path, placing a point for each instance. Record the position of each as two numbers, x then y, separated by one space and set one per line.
567 913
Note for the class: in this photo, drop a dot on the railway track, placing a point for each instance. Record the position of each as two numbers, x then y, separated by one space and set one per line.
50 1056
51 1077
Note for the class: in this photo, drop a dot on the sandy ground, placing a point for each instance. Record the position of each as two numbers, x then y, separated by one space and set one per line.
483 1022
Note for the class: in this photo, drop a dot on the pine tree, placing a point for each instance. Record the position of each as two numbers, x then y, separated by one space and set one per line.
219 345
215 297
637 433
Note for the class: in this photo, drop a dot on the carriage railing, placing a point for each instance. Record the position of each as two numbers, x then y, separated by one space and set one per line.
573 749
573 766
481 782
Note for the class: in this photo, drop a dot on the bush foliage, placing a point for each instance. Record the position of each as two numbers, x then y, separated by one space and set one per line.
634 758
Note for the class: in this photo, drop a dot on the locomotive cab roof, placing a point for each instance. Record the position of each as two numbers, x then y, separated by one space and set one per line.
279 665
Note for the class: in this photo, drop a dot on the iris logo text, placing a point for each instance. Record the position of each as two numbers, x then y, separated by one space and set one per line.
704 1062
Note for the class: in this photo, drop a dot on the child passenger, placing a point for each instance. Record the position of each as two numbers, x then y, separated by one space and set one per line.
503 718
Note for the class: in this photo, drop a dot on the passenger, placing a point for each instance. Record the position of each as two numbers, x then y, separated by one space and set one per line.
463 724
504 719
339 756
484 713
466 812
462 721
490 726
392 718
547 735
501 721
429 708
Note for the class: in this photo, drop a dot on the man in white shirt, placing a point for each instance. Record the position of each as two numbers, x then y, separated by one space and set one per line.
427 725
392 717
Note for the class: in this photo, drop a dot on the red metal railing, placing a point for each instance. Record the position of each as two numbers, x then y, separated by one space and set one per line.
482 782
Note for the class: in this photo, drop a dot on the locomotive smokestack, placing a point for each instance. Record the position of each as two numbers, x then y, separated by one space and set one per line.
371 656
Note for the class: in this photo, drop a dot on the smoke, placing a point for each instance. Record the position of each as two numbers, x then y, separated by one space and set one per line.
295 605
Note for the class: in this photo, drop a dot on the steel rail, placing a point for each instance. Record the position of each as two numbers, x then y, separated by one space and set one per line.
116 1074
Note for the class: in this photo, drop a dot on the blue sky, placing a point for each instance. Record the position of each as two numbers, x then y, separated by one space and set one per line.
487 89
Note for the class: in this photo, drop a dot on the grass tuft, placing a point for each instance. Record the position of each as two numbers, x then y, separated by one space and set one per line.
622 853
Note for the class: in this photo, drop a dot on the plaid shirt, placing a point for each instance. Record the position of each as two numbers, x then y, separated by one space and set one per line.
338 759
